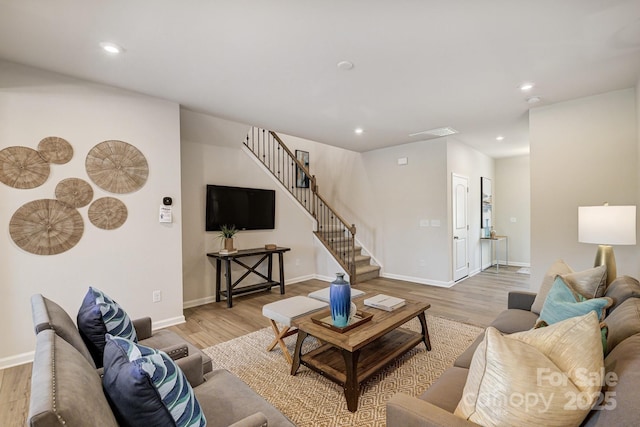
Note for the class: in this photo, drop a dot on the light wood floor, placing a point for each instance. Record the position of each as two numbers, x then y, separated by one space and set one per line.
476 300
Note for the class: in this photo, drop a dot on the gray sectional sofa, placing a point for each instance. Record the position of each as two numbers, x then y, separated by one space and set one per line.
436 405
67 389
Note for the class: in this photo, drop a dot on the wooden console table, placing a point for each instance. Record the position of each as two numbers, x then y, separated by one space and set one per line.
266 254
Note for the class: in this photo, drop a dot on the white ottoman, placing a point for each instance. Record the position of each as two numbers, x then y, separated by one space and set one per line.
323 294
285 312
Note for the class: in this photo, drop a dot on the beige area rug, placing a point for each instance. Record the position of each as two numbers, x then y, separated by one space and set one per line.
309 399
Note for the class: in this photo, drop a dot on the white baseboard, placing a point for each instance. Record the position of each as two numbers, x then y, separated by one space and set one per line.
168 322
18 359
198 302
207 300
419 280
515 264
21 359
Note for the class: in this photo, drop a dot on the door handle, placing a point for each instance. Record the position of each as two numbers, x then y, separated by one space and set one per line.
455 237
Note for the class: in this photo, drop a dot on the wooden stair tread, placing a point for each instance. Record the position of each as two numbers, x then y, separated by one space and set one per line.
366 269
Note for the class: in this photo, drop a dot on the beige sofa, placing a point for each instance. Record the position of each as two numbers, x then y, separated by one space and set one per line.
67 390
436 405
66 387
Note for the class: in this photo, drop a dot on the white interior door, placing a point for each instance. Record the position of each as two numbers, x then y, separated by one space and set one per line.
460 188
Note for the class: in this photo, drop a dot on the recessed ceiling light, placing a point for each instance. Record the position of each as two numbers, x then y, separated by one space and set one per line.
111 48
345 65
534 100
526 86
359 131
499 138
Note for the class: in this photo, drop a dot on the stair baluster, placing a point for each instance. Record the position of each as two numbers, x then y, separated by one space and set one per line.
337 235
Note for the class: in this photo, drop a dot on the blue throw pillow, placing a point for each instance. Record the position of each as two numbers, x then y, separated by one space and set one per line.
99 315
146 388
562 303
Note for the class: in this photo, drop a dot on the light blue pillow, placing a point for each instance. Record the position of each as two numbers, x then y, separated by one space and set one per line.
562 303
147 388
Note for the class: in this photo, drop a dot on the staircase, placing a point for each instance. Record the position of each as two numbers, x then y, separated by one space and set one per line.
337 235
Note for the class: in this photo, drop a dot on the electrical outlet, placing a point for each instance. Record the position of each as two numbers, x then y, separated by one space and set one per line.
157 296
297 262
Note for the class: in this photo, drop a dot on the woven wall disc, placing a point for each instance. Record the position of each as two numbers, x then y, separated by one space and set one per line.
107 213
55 150
75 192
46 227
117 167
23 167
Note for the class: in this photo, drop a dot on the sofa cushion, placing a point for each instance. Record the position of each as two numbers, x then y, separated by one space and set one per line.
237 401
558 267
464 360
146 387
507 371
99 315
514 320
65 388
618 401
623 322
621 289
447 391
562 303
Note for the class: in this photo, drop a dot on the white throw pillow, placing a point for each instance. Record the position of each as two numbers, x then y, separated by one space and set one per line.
543 377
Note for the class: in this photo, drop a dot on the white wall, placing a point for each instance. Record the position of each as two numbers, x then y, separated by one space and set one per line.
583 152
464 160
512 187
128 263
400 196
387 201
212 153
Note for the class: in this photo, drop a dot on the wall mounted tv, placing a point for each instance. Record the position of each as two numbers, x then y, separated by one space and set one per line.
246 208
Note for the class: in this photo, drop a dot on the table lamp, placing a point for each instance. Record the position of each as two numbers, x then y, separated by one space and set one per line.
605 226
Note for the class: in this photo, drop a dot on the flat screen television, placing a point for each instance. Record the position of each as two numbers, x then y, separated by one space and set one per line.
246 208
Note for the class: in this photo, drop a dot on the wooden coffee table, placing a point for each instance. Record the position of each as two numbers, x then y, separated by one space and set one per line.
350 358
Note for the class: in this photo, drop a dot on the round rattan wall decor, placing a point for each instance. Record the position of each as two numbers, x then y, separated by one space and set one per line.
55 150
107 213
23 167
75 192
117 167
46 227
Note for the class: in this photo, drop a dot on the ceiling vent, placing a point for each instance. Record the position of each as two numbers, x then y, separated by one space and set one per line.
436 132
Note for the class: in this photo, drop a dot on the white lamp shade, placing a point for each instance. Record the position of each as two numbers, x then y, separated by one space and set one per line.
607 225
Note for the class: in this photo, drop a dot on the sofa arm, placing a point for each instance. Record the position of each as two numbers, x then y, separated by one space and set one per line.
256 420
143 328
191 366
404 410
176 351
521 300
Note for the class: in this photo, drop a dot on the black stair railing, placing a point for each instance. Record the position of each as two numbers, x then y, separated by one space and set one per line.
335 233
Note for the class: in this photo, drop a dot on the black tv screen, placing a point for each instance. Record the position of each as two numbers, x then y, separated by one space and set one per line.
246 208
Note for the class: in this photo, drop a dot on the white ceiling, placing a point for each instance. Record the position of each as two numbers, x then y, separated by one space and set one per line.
418 64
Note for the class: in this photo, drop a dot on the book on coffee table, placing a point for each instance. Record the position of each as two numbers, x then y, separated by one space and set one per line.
384 302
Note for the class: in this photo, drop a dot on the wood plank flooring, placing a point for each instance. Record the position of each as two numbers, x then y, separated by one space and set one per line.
476 300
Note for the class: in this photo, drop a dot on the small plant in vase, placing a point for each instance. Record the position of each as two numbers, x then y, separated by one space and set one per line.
226 235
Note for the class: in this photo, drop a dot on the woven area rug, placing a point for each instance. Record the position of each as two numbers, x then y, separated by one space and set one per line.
309 399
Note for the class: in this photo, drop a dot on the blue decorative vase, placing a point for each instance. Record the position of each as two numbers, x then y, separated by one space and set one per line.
340 301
